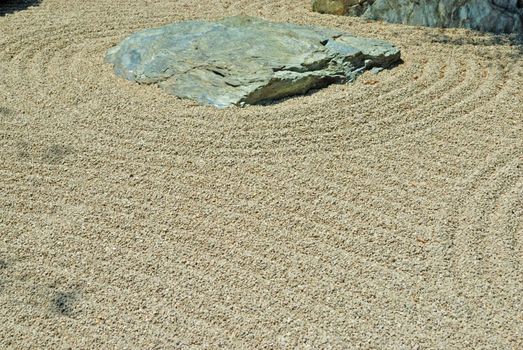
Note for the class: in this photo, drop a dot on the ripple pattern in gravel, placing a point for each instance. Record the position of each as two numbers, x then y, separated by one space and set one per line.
387 213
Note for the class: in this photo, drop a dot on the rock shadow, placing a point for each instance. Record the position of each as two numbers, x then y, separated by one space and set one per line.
5 111
3 266
513 40
56 154
64 303
11 6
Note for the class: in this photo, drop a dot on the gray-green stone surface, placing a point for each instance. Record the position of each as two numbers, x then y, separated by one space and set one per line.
497 16
245 60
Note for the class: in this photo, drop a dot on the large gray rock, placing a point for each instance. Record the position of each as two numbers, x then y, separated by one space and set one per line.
245 60
497 16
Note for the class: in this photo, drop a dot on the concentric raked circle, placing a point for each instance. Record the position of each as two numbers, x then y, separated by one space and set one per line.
386 213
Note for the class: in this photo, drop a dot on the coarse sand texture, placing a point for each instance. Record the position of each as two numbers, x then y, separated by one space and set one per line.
382 214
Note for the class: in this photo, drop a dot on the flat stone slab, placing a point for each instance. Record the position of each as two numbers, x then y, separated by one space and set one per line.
245 60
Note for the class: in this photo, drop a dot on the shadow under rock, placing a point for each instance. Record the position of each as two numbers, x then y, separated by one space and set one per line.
11 6
485 39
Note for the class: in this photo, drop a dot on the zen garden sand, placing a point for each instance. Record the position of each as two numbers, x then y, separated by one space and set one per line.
381 214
